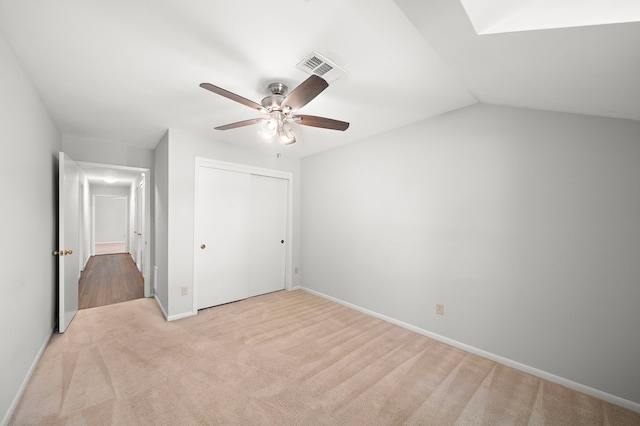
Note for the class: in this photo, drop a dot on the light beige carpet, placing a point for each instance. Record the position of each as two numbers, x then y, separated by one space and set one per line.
281 359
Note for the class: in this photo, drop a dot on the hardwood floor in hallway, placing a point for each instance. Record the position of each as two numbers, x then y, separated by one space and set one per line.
108 279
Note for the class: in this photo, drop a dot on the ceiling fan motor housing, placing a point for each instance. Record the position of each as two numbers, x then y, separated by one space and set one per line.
278 92
272 102
278 89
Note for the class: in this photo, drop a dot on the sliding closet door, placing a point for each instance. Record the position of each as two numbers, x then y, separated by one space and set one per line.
240 234
222 235
268 234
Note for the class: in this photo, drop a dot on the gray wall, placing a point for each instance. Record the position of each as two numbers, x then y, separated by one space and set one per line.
112 204
107 152
28 167
525 224
111 221
160 220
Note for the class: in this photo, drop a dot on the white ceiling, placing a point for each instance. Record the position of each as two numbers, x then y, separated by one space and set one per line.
127 70
496 16
109 176
590 70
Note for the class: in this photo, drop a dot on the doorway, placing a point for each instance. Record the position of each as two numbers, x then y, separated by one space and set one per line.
76 182
115 234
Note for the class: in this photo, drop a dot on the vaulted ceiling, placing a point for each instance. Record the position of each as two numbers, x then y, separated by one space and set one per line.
587 70
126 70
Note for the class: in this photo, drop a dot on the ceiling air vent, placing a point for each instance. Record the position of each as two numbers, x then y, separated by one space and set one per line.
315 63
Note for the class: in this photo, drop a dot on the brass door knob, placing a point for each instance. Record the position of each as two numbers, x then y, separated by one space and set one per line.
57 253
68 252
203 246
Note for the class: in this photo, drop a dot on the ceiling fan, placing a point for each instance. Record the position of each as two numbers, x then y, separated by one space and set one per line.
280 109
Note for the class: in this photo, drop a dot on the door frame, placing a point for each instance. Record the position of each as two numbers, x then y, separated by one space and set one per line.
253 170
146 219
138 221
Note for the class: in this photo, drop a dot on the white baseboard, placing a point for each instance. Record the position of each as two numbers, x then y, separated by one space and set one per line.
634 406
180 316
164 313
86 260
172 317
295 288
23 386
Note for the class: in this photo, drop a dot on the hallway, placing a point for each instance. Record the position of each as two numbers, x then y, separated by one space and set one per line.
109 279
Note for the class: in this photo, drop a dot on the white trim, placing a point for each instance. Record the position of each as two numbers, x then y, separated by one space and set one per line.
164 313
180 316
242 168
87 164
288 257
253 170
171 317
25 382
631 405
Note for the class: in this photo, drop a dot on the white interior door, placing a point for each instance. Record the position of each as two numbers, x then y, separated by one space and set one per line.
221 270
138 227
268 224
68 269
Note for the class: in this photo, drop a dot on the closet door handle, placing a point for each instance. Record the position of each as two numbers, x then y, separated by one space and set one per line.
203 246
281 241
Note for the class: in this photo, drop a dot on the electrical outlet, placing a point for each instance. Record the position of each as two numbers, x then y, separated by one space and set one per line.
439 308
184 290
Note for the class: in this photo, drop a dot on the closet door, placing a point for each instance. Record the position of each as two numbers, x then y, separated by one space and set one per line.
268 224
222 235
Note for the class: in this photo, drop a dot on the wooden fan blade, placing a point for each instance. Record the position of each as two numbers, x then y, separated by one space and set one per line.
230 95
325 123
240 124
305 92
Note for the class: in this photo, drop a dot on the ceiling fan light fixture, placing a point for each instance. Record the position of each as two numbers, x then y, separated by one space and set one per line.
268 128
286 134
290 141
280 110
